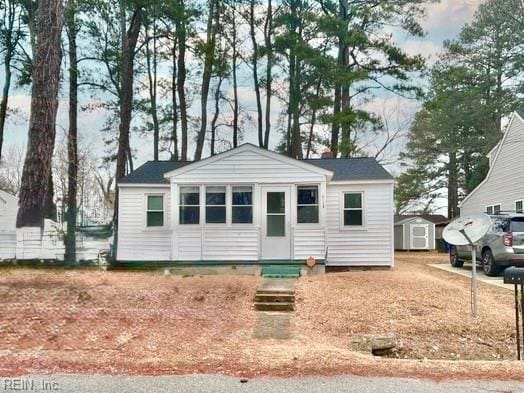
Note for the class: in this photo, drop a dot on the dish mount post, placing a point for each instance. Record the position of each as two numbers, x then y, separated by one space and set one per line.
473 273
467 231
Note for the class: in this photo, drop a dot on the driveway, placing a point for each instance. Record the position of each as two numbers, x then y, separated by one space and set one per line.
466 272
223 384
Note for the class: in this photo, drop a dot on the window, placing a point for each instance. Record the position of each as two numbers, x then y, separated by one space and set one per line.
489 209
242 205
215 205
189 205
493 209
518 206
155 211
353 211
496 209
307 204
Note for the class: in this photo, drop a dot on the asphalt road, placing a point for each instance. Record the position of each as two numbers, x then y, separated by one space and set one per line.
223 384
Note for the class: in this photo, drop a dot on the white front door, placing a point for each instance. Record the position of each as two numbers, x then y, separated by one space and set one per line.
419 236
276 222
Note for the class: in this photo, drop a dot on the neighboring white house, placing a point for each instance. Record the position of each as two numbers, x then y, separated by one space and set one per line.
8 210
252 205
503 187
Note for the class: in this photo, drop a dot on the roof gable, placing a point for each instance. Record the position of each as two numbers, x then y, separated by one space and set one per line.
247 147
515 117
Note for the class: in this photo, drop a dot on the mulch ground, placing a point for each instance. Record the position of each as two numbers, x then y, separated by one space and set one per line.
147 323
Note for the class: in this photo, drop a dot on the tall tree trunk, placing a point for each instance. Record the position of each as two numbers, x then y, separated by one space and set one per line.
453 210
215 116
181 80
254 65
5 98
10 39
313 121
44 103
235 82
72 140
174 134
152 68
268 31
335 126
212 26
129 41
341 64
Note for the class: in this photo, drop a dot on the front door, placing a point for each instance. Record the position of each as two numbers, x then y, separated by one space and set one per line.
276 237
419 236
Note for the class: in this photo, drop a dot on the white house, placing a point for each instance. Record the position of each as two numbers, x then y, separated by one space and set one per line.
503 187
252 205
8 210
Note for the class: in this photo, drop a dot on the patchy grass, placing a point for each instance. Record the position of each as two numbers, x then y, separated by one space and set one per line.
427 310
147 323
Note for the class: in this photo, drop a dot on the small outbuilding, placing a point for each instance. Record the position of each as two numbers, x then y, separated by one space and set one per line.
414 233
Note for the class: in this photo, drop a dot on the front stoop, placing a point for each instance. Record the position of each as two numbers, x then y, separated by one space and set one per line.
281 271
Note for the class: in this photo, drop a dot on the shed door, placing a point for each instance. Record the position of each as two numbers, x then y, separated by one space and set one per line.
276 236
419 236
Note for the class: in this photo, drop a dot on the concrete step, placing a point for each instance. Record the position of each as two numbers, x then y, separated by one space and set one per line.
274 306
271 291
275 297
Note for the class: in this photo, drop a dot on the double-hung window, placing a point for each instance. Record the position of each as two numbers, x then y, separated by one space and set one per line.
189 211
242 205
493 209
155 211
216 205
307 204
518 207
353 212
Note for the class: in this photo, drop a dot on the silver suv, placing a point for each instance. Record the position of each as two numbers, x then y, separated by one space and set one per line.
501 247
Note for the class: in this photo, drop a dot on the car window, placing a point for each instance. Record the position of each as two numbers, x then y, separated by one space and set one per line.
498 224
517 224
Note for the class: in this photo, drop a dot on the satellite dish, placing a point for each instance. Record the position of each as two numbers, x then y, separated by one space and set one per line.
467 230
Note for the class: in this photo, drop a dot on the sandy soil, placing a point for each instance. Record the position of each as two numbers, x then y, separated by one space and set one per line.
147 323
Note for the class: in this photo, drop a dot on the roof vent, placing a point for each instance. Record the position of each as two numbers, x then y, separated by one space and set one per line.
327 154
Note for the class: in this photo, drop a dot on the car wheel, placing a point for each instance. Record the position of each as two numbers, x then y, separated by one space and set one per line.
454 258
489 265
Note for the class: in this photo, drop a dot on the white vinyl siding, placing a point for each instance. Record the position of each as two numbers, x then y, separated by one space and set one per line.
248 167
371 246
247 170
8 211
505 181
136 241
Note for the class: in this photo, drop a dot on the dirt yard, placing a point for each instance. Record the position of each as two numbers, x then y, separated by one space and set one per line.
148 323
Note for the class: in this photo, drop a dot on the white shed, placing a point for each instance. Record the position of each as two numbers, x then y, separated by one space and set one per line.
414 233
8 211
251 205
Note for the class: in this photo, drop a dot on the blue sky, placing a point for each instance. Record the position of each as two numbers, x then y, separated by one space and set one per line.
444 20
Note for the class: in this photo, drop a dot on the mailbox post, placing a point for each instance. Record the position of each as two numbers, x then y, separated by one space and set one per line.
515 276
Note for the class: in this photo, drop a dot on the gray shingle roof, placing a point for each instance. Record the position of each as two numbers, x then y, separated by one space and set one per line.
364 168
152 172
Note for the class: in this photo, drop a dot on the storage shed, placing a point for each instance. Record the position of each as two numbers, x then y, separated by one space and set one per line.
414 233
